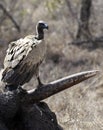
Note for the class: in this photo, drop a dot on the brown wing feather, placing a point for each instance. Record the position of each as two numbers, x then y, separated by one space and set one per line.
18 50
16 53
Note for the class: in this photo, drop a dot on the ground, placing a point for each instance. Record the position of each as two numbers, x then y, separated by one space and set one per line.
79 107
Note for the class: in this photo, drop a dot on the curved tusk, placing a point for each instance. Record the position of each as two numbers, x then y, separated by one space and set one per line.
56 86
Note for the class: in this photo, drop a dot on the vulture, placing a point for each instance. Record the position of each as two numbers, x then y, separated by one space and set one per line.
23 58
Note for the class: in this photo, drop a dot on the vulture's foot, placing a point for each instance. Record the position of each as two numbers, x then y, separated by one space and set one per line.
40 84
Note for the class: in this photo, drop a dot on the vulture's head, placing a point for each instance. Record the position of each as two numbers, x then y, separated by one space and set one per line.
41 25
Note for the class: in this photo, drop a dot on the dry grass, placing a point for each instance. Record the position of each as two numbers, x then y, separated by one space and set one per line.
80 107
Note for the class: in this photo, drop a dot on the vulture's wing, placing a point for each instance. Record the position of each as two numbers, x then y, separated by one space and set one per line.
18 50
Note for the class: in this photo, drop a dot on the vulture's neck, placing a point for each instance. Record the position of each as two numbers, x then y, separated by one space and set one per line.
40 34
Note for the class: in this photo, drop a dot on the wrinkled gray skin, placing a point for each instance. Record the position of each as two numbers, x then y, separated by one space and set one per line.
15 115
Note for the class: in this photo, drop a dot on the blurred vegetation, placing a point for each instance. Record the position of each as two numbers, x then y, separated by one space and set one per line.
81 106
53 5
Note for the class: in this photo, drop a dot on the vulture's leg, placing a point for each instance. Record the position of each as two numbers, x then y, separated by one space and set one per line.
40 84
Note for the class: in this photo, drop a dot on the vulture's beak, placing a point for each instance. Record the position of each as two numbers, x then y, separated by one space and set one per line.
46 26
